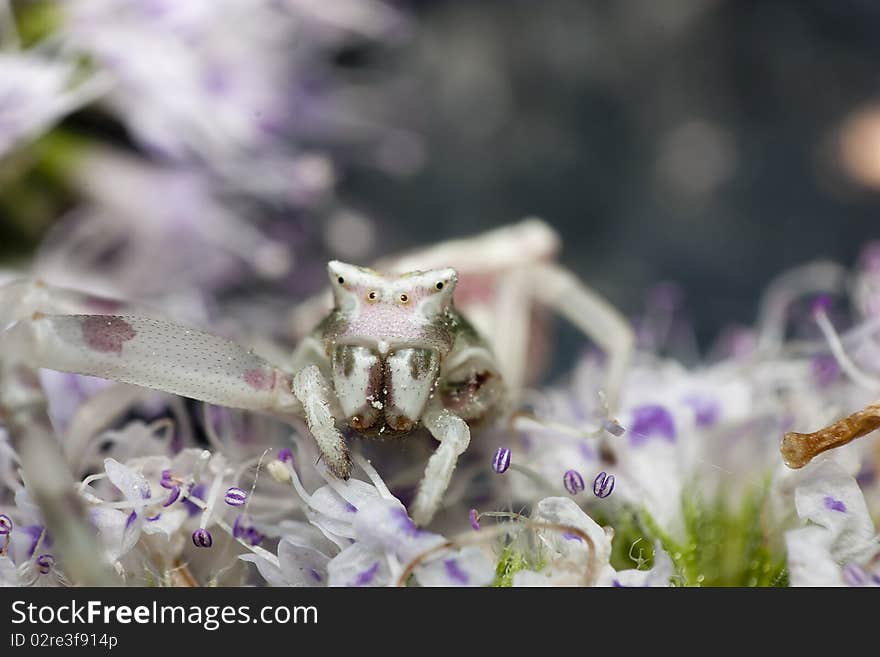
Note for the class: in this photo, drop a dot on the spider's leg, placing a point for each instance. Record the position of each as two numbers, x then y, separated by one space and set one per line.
513 319
454 436
561 291
312 389
155 354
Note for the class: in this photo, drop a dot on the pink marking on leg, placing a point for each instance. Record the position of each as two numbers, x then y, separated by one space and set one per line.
106 333
259 379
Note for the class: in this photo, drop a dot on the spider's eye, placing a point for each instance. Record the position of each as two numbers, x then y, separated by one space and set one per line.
341 280
372 296
439 285
403 298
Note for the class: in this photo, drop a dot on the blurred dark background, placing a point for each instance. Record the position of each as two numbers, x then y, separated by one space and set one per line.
689 140
710 142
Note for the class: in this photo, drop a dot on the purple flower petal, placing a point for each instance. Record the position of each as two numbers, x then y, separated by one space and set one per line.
825 370
406 525
367 576
651 420
472 516
707 410
834 505
455 572
199 493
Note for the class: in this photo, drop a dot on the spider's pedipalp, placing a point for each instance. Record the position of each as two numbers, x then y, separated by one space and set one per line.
313 391
454 436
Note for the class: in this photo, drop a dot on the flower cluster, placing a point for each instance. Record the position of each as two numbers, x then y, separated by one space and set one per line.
687 475
234 164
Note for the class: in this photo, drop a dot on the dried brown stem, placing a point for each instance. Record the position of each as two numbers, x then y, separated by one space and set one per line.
798 449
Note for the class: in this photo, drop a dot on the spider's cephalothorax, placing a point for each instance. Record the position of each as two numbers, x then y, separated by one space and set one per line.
388 338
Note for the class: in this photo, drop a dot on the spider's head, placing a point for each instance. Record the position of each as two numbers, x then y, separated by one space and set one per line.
386 338
388 310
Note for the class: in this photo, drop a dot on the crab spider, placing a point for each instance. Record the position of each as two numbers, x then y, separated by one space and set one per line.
392 352
508 279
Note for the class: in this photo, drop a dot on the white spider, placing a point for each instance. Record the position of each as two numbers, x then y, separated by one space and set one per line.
392 352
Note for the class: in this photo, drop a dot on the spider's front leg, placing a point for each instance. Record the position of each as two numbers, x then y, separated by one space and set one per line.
153 353
162 355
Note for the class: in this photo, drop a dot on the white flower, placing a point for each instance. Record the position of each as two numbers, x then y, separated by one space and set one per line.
366 539
660 574
66 393
120 525
9 575
839 546
28 559
248 80
35 92
680 426
154 218
570 561
302 557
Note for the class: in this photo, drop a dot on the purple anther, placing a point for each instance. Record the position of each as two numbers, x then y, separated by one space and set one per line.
603 485
44 563
501 460
235 497
573 481
202 538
